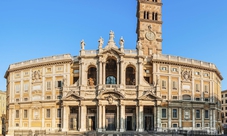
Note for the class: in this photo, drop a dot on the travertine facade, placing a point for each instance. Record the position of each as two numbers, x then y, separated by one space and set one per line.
2 109
116 89
224 107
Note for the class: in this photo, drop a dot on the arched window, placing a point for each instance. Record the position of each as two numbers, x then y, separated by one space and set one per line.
111 71
130 76
110 80
145 15
186 97
154 16
91 76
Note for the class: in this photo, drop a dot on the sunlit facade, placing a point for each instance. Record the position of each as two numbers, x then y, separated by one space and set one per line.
115 89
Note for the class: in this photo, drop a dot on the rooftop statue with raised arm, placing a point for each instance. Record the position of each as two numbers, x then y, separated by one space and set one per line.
82 44
121 42
139 45
101 41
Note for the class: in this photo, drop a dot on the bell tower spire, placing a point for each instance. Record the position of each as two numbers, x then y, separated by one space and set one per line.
149 26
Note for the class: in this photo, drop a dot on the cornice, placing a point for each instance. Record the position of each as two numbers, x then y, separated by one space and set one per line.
39 65
189 65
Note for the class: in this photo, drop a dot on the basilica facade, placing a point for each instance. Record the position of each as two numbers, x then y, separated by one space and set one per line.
115 89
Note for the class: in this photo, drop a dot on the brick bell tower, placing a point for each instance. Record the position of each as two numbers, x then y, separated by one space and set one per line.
149 26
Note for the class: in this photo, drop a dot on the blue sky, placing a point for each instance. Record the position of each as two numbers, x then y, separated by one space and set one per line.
33 29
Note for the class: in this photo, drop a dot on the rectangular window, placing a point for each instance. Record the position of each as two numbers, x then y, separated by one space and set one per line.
26 87
174 125
206 89
225 101
48 97
206 124
174 69
225 108
197 114
25 99
206 114
175 97
163 113
197 125
197 99
163 84
48 113
59 113
17 113
25 113
48 85
197 87
206 99
174 113
226 114
225 95
59 125
17 88
58 84
164 97
59 97
174 85
17 100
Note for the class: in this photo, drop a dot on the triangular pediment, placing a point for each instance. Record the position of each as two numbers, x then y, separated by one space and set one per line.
112 51
73 96
149 96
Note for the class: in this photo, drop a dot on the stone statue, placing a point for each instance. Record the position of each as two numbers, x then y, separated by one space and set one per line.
101 41
139 45
111 36
122 42
82 44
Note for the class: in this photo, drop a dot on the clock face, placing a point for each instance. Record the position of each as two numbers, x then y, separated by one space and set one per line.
150 36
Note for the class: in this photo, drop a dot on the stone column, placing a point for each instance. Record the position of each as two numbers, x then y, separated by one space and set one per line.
141 129
100 72
158 119
104 117
118 72
122 118
83 114
79 118
169 118
122 73
193 118
100 118
118 126
214 121
104 73
202 118
180 120
211 117
137 118
140 72
65 119
155 117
